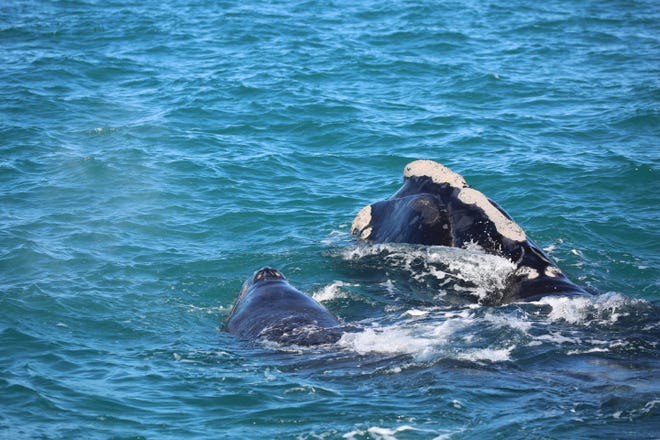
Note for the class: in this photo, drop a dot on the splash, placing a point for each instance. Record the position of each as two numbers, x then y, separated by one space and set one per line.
606 309
389 340
332 291
431 335
495 334
468 271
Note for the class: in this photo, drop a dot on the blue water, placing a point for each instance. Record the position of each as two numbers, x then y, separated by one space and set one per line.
154 154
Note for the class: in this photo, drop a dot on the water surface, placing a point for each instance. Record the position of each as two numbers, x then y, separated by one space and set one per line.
154 155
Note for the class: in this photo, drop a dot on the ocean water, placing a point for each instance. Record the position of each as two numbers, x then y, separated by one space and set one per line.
154 154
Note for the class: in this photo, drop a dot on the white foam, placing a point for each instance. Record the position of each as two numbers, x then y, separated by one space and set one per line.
484 273
429 335
476 335
416 313
378 433
389 340
473 333
606 309
336 236
450 435
331 291
389 286
588 350
522 325
650 406
484 270
418 336
556 338
487 354
571 310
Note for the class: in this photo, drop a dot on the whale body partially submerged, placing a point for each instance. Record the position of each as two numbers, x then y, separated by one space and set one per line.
269 308
435 206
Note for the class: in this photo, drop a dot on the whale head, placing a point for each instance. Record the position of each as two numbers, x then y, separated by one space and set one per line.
263 275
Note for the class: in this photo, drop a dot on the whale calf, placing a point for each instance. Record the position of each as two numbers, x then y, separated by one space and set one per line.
435 206
269 308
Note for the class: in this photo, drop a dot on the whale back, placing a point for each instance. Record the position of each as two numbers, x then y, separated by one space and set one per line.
435 206
272 309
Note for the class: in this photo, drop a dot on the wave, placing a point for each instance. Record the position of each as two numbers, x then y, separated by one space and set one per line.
466 272
484 334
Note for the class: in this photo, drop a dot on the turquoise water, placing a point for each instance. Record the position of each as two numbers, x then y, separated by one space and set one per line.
154 155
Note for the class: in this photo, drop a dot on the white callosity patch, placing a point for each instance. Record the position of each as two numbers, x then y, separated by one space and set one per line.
361 222
552 271
437 172
505 226
441 174
527 272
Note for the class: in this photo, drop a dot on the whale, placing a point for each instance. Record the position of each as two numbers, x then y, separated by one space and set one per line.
269 308
436 206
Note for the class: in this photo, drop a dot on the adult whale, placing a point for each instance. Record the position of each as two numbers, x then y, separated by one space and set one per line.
435 206
270 308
